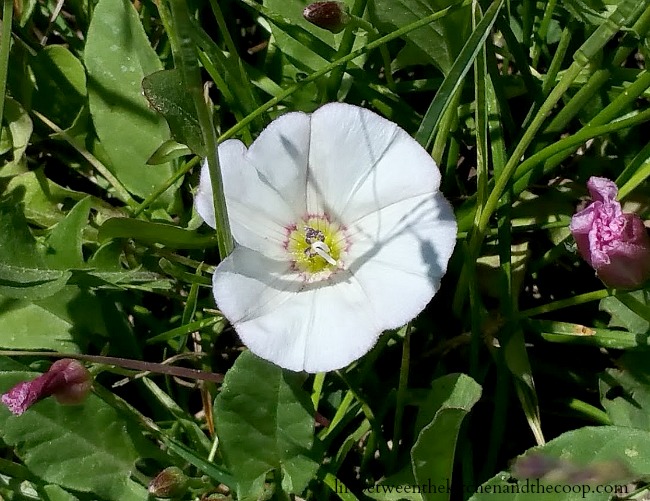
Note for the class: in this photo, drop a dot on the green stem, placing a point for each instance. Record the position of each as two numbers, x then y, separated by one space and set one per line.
5 41
383 50
340 414
589 411
556 62
637 178
162 189
566 303
317 389
247 95
187 62
448 123
344 60
545 157
347 42
542 31
401 396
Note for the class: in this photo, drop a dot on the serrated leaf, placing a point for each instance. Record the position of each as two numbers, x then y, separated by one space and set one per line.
167 93
117 57
87 448
618 449
265 422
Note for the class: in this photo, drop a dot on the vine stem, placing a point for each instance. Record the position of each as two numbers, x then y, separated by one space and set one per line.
125 363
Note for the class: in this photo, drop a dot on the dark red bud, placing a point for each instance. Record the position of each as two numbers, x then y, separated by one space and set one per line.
332 16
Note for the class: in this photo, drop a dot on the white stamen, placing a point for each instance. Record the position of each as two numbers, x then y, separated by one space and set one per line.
322 249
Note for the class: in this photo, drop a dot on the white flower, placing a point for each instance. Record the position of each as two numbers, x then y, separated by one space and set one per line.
341 231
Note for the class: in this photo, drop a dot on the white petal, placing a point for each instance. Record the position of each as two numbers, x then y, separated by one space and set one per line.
400 253
346 142
258 214
404 171
295 325
281 155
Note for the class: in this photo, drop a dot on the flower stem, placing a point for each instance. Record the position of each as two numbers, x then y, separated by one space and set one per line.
126 363
187 63
401 395
589 411
566 303
383 50
335 78
319 380
162 189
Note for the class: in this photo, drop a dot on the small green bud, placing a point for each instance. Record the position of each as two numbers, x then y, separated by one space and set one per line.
169 483
331 16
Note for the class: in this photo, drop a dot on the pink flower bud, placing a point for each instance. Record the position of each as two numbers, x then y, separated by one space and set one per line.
67 379
331 16
614 243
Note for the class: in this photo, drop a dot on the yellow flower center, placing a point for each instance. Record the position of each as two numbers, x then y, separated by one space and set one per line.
316 245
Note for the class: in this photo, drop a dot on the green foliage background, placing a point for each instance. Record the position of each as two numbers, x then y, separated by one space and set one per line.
104 122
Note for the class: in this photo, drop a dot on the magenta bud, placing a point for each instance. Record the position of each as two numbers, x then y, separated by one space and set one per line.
331 16
67 379
169 483
615 244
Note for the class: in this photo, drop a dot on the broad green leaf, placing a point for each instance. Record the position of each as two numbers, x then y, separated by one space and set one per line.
168 151
144 231
64 242
58 73
622 316
56 493
625 392
87 447
19 127
117 57
432 455
442 411
23 272
42 197
23 282
65 322
265 422
624 454
166 92
440 41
